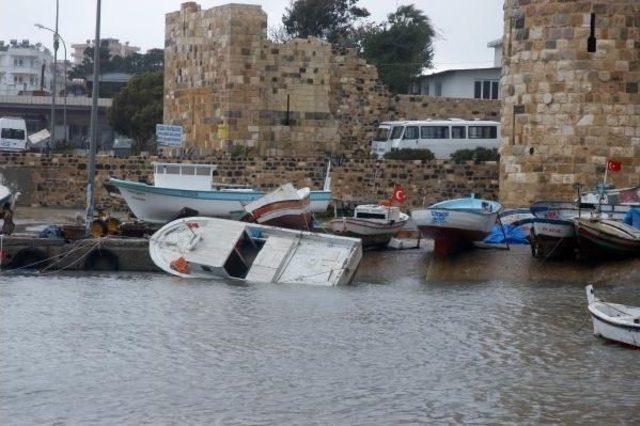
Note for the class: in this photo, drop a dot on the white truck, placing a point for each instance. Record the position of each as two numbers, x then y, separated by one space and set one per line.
13 134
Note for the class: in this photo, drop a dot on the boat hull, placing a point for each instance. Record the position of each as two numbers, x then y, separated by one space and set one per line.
552 238
371 234
292 214
602 327
453 230
159 205
607 237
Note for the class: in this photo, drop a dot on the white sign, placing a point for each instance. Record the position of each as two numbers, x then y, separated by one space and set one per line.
169 135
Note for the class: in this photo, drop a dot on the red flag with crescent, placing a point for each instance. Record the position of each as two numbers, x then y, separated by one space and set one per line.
398 194
614 166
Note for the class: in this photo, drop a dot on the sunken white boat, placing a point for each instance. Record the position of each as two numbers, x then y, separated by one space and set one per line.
613 321
202 247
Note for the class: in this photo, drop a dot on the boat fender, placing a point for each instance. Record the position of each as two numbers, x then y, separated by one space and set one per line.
181 265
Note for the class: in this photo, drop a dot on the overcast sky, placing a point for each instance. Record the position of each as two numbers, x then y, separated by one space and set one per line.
464 26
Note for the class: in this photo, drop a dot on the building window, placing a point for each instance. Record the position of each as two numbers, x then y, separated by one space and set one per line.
425 88
486 89
438 89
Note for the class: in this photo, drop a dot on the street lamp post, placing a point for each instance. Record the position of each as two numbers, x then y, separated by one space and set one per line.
52 138
57 35
94 121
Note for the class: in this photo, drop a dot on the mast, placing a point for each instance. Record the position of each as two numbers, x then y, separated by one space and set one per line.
94 122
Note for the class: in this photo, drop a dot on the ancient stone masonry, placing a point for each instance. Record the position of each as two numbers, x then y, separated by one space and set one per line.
60 180
571 97
229 86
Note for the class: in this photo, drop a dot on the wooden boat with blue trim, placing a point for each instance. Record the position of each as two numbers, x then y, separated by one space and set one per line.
456 224
614 321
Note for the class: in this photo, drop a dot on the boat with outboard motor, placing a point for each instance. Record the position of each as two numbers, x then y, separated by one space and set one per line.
203 247
374 224
456 224
176 186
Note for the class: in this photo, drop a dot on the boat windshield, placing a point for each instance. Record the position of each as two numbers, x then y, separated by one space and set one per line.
382 134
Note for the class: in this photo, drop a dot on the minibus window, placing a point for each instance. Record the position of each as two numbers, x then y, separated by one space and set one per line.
483 132
411 133
435 132
458 132
12 134
382 134
397 132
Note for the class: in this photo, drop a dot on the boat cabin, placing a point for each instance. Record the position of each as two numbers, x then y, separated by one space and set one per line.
377 213
181 176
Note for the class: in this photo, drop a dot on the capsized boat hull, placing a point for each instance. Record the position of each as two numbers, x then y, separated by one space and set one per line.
372 234
202 247
159 205
607 236
612 321
285 207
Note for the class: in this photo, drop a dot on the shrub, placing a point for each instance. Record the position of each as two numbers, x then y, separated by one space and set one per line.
478 154
410 154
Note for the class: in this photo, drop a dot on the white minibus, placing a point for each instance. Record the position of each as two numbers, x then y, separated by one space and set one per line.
13 134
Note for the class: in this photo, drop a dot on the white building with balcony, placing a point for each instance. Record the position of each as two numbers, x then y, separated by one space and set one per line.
24 68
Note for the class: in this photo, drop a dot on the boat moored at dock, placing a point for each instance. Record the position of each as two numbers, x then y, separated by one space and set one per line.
456 224
374 224
605 236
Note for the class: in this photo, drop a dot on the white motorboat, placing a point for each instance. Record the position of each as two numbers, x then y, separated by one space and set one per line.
176 186
286 206
5 195
613 321
201 247
456 224
374 224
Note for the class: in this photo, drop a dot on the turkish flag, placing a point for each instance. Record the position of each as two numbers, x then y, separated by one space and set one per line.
398 194
614 166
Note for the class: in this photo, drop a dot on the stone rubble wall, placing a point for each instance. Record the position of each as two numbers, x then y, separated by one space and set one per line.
566 110
229 86
60 180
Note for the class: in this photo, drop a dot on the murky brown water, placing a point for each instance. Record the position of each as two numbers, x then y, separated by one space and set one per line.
145 348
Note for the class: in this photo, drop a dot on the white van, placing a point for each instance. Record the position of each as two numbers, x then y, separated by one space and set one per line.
13 134
442 137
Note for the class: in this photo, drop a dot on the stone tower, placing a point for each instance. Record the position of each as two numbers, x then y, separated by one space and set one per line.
570 87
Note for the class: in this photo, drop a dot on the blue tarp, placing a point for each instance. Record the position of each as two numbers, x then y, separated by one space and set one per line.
633 218
514 235
52 232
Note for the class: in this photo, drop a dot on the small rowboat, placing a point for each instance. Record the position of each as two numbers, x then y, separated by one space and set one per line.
607 236
613 321
285 207
456 224
374 224
202 247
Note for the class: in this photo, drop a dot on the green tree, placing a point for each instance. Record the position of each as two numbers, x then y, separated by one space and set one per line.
401 47
138 107
135 63
331 20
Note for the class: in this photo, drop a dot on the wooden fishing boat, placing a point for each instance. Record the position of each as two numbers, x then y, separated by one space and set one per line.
552 233
613 321
456 224
606 236
286 207
202 247
518 218
374 224
176 186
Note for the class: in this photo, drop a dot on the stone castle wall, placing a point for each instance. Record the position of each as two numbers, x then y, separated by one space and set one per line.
60 180
566 110
230 86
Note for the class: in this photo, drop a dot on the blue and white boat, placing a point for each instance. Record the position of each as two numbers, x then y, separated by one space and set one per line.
177 186
455 224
